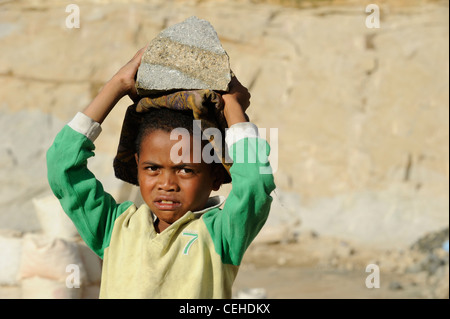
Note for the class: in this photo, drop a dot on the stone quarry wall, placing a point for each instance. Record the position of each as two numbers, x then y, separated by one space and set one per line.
362 149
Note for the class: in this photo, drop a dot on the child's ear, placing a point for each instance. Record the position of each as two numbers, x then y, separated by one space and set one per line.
136 157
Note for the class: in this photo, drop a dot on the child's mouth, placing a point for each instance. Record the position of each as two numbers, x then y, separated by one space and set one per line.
167 204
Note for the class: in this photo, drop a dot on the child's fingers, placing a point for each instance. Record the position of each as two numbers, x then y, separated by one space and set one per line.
242 92
140 53
138 57
136 60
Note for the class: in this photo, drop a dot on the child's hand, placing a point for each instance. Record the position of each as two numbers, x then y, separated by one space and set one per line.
237 100
127 75
121 84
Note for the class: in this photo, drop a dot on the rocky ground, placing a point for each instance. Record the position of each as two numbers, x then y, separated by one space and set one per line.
359 139
313 266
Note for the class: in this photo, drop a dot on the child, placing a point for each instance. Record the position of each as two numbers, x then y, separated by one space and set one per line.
180 243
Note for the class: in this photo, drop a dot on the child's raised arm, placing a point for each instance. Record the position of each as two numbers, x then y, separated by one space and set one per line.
81 195
121 84
248 203
237 100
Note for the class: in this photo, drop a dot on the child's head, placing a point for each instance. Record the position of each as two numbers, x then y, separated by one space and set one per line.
168 186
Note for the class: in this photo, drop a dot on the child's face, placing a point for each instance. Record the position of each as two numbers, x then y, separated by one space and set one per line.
172 189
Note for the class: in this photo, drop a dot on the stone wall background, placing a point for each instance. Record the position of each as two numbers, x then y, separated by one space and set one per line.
362 114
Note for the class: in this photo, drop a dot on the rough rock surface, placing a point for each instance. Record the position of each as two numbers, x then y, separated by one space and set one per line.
187 55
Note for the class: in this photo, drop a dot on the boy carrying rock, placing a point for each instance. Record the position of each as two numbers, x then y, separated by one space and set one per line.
180 243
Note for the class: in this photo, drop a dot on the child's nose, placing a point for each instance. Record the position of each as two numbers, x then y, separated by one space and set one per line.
167 181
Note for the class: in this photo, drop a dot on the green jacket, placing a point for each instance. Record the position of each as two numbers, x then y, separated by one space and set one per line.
198 256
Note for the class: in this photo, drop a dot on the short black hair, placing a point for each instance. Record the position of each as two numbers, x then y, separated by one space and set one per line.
163 119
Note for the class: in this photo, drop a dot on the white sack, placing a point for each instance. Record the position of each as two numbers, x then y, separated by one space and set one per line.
53 219
44 288
48 257
10 255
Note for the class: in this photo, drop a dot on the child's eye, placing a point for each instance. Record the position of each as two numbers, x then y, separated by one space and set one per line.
152 168
186 171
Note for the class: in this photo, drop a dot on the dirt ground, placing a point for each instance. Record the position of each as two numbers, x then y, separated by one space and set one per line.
329 268
316 283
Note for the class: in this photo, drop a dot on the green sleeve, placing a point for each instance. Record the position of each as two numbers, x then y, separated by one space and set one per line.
247 207
92 210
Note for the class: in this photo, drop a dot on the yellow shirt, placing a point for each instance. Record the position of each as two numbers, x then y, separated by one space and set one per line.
180 262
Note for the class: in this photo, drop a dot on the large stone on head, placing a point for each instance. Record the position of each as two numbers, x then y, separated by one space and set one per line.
185 56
